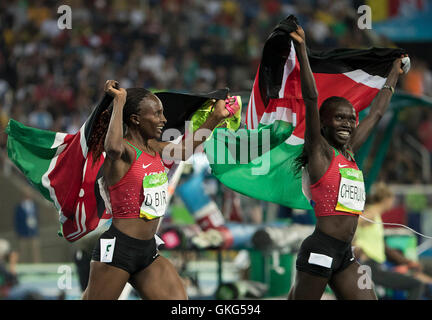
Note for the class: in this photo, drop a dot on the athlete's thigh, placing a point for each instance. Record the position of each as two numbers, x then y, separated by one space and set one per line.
105 282
353 284
307 287
159 281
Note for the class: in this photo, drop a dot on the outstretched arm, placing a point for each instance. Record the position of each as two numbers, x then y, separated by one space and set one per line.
378 107
184 149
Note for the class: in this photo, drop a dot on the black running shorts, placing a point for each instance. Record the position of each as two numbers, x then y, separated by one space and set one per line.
323 255
119 250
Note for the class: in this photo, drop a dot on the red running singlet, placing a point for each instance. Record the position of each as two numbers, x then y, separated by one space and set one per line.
340 191
142 191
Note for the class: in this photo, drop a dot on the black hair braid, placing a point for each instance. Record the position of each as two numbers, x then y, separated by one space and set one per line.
97 138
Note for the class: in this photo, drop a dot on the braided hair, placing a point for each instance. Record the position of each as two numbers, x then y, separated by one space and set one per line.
97 139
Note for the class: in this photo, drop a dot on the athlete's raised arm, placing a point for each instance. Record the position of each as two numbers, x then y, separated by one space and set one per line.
113 144
316 147
378 107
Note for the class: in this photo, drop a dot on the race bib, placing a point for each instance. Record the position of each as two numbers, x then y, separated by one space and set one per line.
352 195
107 249
155 188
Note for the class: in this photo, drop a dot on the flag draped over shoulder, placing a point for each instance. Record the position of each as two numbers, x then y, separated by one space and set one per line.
276 106
61 168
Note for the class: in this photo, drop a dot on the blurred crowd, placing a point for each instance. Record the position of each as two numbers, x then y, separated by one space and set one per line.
409 157
50 78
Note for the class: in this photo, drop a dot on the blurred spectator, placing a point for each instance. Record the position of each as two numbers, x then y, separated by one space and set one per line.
26 227
371 249
10 286
8 274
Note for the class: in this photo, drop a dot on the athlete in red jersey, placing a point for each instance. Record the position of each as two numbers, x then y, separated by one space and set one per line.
336 185
142 192
340 191
137 187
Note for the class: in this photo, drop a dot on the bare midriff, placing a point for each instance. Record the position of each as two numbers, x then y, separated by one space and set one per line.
137 228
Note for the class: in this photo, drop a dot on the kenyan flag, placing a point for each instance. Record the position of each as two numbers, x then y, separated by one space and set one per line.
276 105
61 168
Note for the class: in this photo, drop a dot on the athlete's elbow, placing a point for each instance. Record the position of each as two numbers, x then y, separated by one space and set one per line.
112 152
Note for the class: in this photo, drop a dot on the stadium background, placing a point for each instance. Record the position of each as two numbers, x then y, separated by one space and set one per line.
51 78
